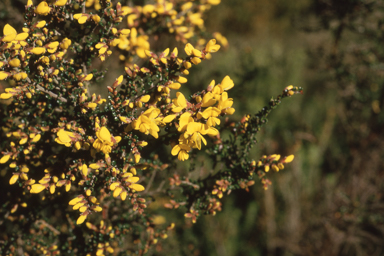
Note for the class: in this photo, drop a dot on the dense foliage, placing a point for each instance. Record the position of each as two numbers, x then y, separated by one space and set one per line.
82 170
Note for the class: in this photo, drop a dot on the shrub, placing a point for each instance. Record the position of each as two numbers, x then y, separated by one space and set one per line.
110 158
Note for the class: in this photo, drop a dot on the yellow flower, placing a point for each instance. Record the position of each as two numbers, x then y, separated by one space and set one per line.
132 180
211 114
43 8
179 103
146 122
191 51
212 46
222 40
92 105
225 85
225 104
96 18
81 17
65 43
184 120
182 151
105 140
65 137
9 33
194 134
208 100
14 63
52 47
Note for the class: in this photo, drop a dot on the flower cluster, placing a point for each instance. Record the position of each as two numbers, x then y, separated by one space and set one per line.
63 143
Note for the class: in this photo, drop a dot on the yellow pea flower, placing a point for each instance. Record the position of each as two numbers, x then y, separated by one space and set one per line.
64 137
14 63
9 33
212 46
37 188
43 9
81 17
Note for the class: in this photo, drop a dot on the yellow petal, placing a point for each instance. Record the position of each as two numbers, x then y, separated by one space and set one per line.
174 86
5 159
5 96
119 80
52 188
9 38
104 134
14 62
41 24
84 170
60 2
82 20
8 30
13 179
123 195
124 119
189 49
38 50
67 186
81 219
63 137
3 75
78 145
75 201
23 176
227 83
118 139
43 8
138 156
114 185
289 159
94 166
145 98
88 77
117 191
37 188
181 79
137 187
98 209
21 37
169 118
133 179
77 16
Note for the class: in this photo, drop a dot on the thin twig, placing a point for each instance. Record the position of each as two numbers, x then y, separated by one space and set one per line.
53 95
151 180
160 186
42 222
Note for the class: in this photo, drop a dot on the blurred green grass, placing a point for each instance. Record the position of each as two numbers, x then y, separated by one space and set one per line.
319 204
